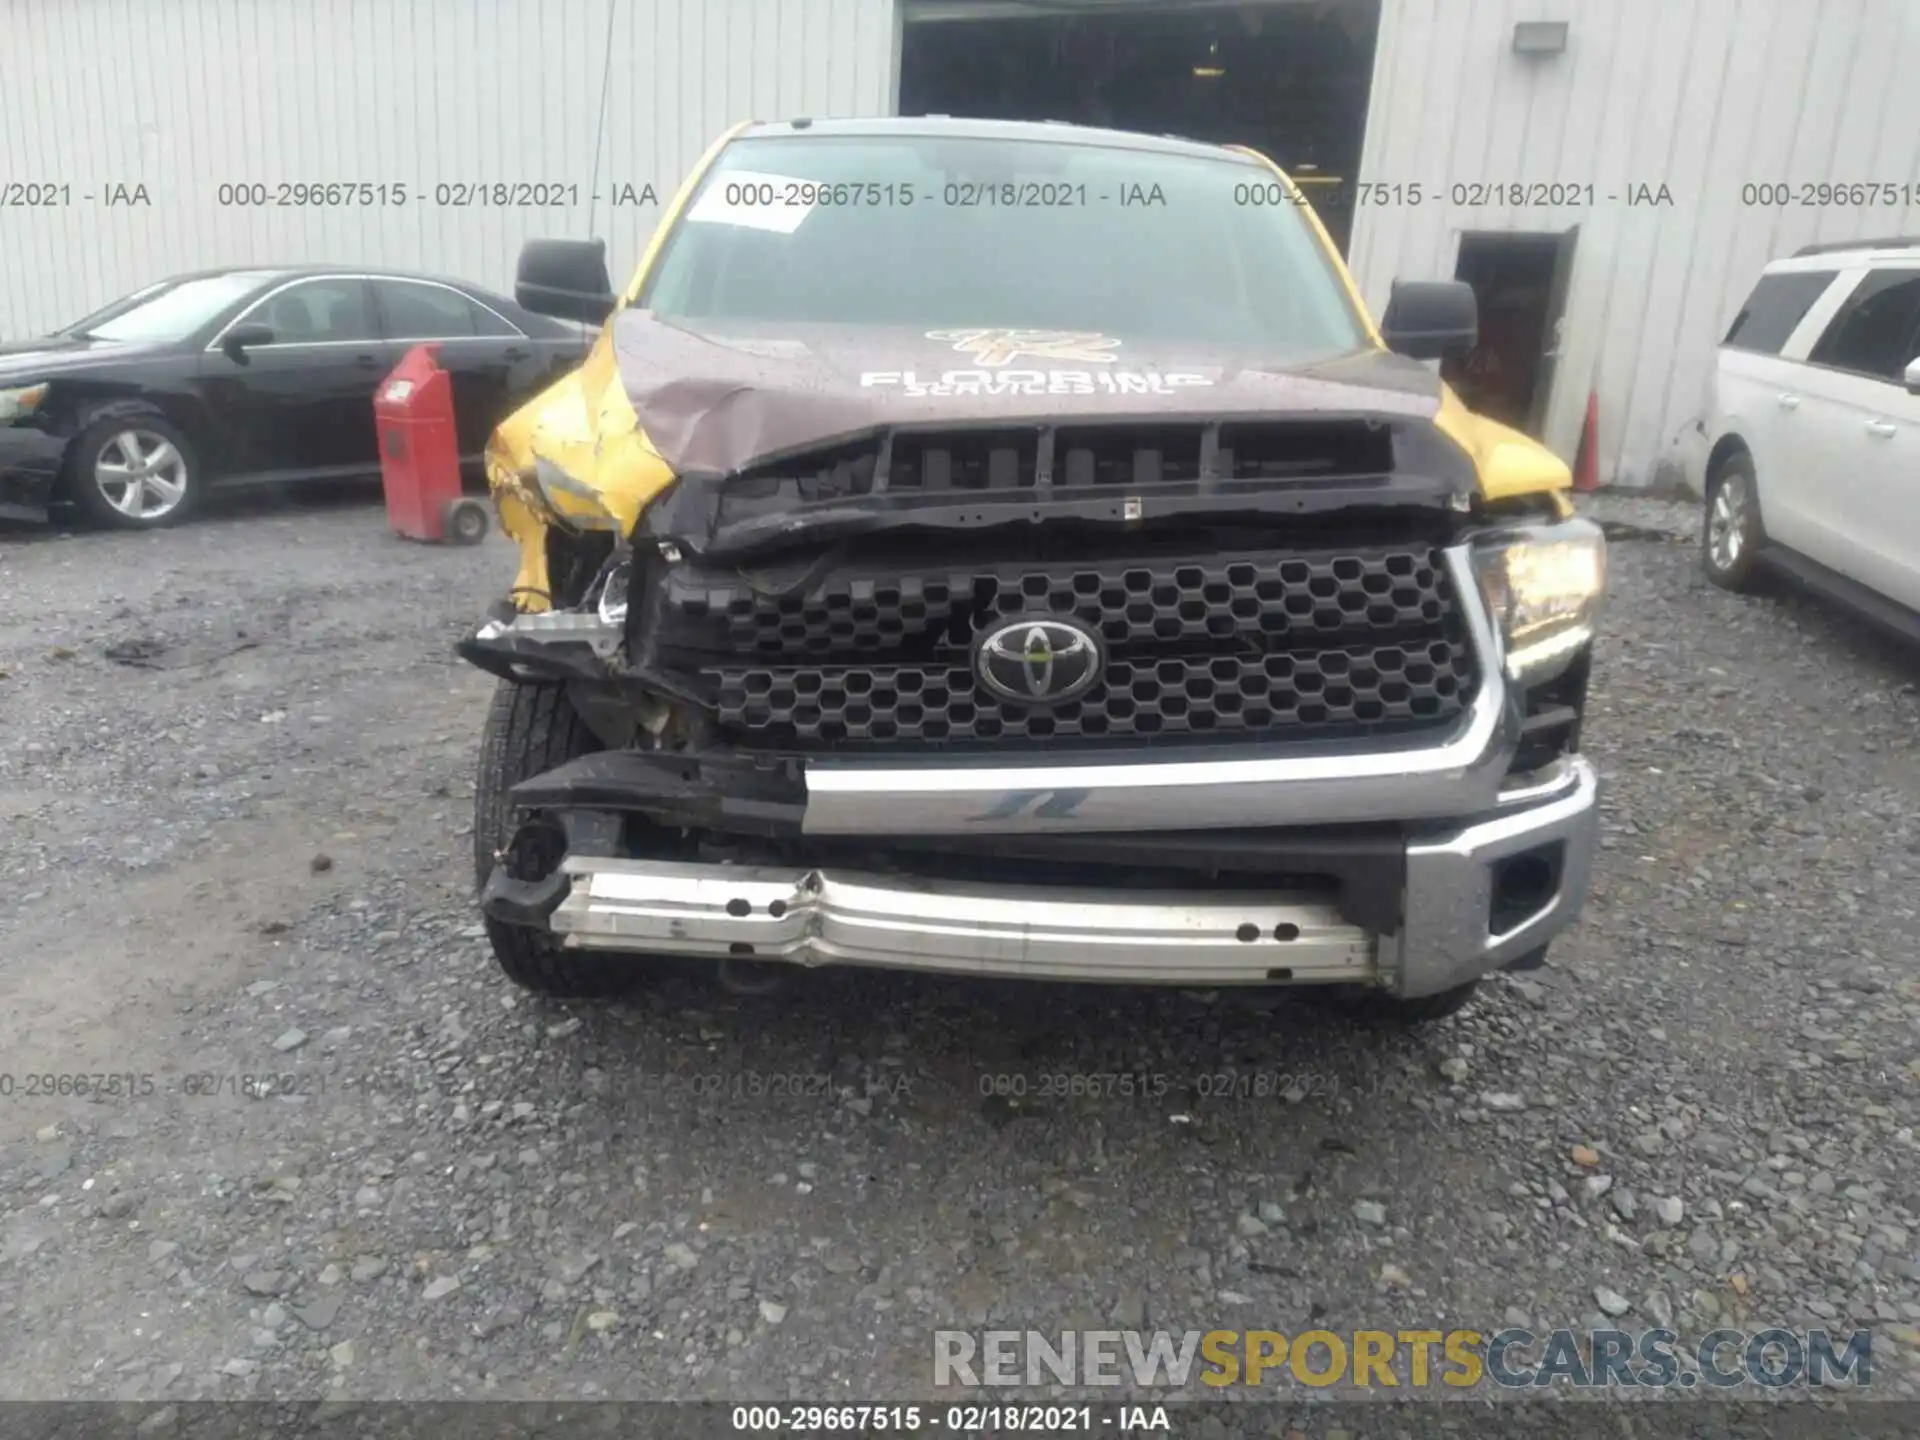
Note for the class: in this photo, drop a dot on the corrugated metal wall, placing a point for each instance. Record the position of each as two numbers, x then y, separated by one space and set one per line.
1704 96
182 96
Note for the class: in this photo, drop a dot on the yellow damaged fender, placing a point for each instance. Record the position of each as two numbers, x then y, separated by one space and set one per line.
1509 463
599 469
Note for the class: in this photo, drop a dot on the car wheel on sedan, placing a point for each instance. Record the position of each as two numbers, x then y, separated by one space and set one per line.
1731 536
134 471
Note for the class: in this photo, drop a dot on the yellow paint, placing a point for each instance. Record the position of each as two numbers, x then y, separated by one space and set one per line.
1509 463
584 425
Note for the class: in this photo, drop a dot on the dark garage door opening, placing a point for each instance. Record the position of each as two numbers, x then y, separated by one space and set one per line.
1521 283
1290 77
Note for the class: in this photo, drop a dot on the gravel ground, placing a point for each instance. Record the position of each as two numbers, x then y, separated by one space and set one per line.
236 779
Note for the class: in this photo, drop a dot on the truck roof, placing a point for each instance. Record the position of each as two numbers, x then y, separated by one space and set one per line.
1055 132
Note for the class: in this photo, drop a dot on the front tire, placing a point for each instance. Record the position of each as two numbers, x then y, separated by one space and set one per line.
529 730
134 472
1731 535
1385 1008
1378 1007
1396 1010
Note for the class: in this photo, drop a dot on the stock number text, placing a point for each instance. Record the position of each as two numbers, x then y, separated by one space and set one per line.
1824 195
327 194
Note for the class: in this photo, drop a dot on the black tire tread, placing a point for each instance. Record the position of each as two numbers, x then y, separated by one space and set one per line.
1397 1010
1370 1006
530 729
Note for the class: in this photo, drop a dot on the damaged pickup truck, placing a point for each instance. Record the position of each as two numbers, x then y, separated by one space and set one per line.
1012 549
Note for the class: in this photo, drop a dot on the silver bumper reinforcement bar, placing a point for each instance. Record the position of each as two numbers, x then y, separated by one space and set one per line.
827 917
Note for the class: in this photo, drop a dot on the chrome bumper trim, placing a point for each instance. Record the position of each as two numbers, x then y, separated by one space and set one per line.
558 627
1423 779
1549 782
813 917
1445 940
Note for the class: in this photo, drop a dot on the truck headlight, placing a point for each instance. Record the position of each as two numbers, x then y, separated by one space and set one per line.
1542 584
19 403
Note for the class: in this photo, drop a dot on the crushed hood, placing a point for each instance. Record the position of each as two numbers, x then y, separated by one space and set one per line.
714 399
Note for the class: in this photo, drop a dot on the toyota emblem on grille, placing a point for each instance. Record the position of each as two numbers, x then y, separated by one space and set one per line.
1033 661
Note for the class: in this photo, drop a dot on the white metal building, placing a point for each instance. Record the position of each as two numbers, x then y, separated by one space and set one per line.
140 138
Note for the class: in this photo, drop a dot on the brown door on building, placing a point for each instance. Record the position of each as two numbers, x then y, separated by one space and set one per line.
1521 283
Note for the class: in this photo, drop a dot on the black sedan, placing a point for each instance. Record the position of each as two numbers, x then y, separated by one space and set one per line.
238 377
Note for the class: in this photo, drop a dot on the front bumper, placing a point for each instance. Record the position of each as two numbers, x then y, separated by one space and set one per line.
29 465
1478 896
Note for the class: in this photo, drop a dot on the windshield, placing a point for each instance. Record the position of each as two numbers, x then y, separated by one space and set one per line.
171 310
928 232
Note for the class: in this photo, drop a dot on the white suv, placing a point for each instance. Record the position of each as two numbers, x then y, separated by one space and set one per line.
1815 460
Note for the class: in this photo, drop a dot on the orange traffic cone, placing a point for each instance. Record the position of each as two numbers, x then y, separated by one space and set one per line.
1586 463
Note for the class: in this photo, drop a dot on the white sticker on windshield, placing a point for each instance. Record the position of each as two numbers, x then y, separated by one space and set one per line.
758 201
1038 382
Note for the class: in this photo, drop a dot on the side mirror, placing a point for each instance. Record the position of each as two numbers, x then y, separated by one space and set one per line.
240 337
566 279
1913 378
1431 319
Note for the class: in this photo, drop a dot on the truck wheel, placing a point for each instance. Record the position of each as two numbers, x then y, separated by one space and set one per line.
529 730
1395 1010
1378 1007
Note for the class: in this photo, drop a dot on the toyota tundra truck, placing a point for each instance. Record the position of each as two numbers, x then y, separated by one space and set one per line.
1014 550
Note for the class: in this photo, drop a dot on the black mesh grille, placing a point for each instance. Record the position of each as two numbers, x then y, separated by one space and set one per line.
1174 696
1310 645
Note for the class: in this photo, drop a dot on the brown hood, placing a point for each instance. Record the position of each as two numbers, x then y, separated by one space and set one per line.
715 400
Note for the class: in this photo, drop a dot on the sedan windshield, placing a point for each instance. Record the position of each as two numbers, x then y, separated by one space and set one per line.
928 232
171 310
